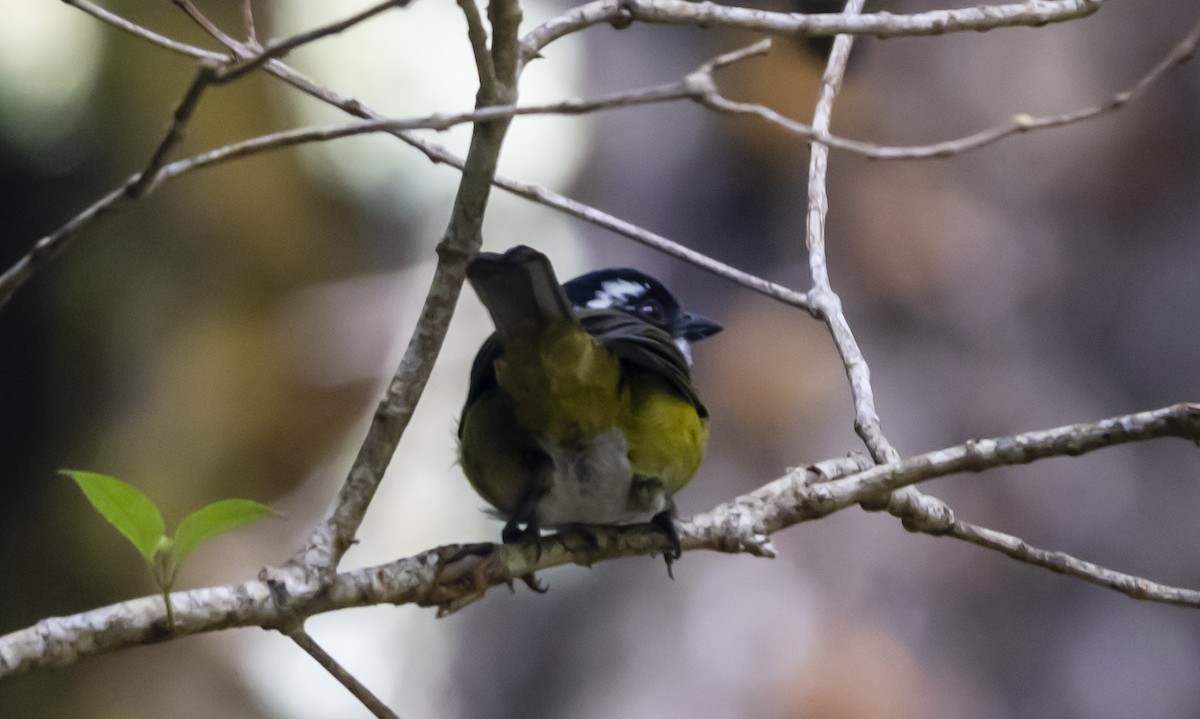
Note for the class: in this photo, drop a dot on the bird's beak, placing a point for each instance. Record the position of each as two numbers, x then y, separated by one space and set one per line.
697 328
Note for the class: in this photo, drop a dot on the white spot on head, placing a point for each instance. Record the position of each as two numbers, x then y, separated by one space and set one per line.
615 292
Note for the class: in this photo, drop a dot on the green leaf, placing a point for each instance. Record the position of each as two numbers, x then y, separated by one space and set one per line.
216 518
125 508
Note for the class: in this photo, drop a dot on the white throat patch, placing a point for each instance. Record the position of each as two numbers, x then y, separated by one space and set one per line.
615 292
685 348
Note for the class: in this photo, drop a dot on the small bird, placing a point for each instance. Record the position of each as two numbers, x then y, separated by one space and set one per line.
581 408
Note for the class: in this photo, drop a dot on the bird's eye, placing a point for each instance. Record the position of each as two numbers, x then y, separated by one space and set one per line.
652 310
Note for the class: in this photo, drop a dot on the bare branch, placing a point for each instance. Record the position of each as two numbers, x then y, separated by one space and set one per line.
253 56
692 87
274 50
248 22
437 153
453 576
545 196
212 73
51 245
205 76
881 24
919 512
134 29
1062 563
505 17
348 680
205 24
477 36
335 532
1180 53
827 304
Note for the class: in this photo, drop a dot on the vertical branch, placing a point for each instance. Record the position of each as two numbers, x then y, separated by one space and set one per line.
920 512
505 16
248 22
828 305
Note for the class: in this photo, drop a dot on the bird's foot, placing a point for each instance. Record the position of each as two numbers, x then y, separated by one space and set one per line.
664 522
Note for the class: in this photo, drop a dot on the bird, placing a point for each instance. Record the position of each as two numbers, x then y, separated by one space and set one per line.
580 408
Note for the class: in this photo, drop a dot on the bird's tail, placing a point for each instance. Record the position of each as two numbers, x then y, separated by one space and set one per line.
519 290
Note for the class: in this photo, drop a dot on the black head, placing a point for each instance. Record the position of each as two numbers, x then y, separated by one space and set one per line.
642 296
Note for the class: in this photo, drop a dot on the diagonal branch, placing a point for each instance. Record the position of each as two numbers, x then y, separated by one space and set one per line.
364 695
145 33
691 87
205 76
1179 53
205 24
275 50
335 532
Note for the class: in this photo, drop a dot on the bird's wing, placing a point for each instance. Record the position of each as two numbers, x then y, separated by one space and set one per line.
643 345
483 371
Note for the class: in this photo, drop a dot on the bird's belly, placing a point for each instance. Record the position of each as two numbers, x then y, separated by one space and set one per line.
591 484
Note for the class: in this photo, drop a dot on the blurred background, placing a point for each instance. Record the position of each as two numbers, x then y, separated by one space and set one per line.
230 335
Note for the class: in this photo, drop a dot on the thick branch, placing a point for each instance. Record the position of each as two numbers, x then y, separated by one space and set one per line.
453 576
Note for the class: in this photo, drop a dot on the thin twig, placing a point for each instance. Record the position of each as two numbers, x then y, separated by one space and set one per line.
825 300
1130 585
533 192
248 23
147 181
348 680
452 576
49 247
205 76
146 34
1020 123
881 24
252 55
918 511
1179 53
439 154
205 24
275 50
214 69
